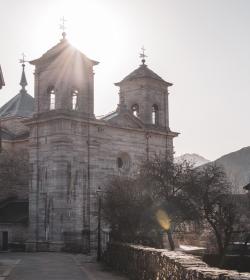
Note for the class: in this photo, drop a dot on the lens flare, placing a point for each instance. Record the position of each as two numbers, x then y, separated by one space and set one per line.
163 219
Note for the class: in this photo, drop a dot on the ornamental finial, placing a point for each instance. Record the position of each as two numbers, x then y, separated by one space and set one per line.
142 55
63 27
23 82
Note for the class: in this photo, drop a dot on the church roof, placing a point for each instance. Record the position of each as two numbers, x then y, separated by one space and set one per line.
59 49
21 105
143 72
110 115
1 78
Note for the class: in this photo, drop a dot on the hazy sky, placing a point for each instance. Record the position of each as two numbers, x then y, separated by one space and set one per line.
202 46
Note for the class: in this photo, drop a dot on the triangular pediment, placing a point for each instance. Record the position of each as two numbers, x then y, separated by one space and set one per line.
123 119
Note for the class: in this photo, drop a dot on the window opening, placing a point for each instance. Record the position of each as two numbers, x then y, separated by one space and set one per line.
155 114
52 98
135 110
75 100
119 162
123 162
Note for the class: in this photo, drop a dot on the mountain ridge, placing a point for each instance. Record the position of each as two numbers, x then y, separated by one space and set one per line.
193 158
236 165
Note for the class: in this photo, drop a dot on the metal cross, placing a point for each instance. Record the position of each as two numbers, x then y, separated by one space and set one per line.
22 60
142 55
62 25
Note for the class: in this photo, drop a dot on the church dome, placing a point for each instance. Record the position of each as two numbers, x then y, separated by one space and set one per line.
142 72
21 105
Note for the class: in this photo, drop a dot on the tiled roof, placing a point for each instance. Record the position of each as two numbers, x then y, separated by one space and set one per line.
109 116
62 48
142 72
21 105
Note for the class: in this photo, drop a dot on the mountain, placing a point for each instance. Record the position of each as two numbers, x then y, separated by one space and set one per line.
237 168
195 159
235 164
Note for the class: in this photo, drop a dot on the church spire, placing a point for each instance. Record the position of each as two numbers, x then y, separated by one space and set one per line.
23 82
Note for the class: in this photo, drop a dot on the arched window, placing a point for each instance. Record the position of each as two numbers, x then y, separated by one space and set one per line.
135 110
52 98
155 114
74 99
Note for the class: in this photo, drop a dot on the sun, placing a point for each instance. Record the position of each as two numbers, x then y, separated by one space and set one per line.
90 26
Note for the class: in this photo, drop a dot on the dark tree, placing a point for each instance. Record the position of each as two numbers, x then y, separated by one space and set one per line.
165 196
128 210
211 191
154 201
166 182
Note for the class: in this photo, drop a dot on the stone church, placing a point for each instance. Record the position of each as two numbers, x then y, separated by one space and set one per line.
71 152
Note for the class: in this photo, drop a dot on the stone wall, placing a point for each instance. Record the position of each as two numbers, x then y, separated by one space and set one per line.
17 234
139 262
15 125
14 191
75 158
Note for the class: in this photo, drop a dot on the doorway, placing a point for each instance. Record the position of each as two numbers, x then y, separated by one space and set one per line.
5 240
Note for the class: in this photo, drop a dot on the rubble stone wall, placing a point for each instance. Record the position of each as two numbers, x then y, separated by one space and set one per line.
139 263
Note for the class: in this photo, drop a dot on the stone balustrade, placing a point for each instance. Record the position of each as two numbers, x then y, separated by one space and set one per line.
139 263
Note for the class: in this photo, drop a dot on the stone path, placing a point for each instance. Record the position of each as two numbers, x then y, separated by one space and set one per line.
6 266
51 266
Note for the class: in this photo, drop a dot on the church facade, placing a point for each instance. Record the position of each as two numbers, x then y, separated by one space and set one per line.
72 154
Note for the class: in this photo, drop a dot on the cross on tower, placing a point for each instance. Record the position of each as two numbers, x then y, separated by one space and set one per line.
23 82
63 27
22 60
142 55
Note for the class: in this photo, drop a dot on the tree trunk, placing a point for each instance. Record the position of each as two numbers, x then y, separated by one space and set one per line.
170 240
222 253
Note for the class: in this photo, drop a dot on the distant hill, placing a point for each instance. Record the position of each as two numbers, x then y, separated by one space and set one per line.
237 167
195 159
235 164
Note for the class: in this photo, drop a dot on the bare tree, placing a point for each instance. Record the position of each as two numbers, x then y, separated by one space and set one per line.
166 183
211 192
166 195
152 202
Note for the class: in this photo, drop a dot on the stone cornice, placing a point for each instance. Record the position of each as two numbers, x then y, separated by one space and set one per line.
42 118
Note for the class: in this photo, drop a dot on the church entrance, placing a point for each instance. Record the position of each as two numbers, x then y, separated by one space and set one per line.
5 240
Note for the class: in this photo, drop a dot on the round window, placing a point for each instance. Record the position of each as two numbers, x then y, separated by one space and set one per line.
119 162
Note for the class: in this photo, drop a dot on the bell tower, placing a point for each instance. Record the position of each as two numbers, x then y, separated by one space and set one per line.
145 94
64 80
59 196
